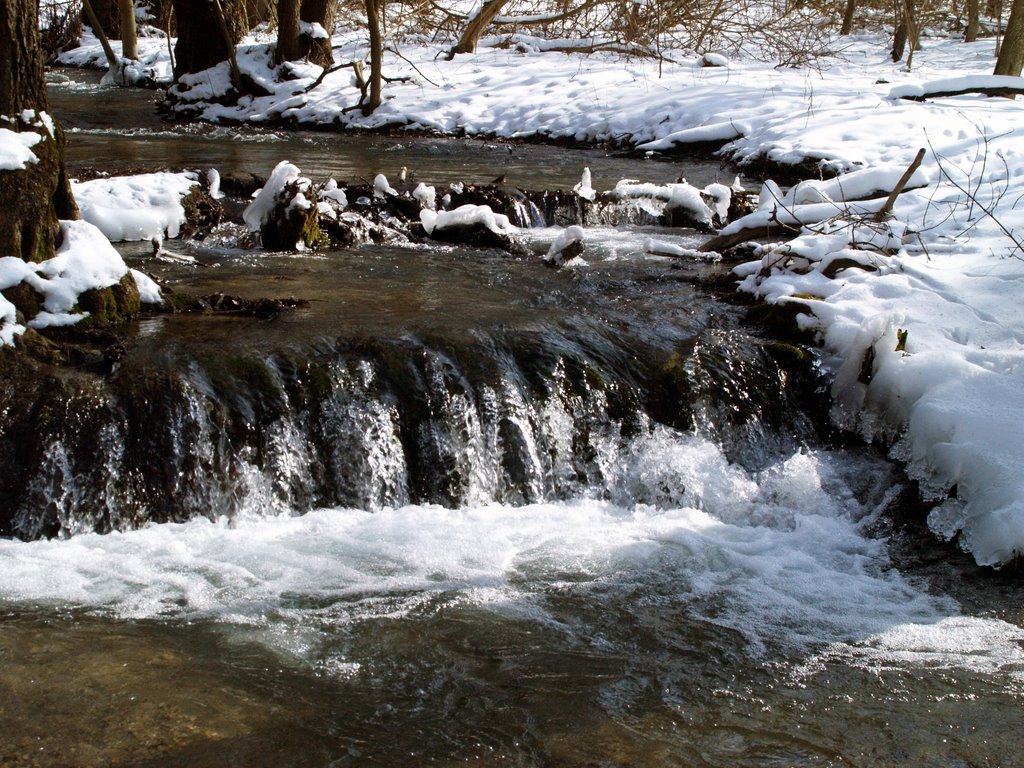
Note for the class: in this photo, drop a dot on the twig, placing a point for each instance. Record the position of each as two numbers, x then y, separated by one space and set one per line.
1018 243
891 200
398 53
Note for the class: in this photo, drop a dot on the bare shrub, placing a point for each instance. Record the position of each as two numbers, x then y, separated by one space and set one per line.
60 26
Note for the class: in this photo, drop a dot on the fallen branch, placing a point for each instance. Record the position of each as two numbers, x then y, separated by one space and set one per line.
981 90
891 200
762 231
991 85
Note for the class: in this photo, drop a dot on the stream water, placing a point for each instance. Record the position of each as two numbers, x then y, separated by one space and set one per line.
462 509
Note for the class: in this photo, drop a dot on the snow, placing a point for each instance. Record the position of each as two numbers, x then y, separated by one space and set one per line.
425 195
566 237
947 267
721 132
262 206
16 149
468 215
143 207
954 84
585 187
382 188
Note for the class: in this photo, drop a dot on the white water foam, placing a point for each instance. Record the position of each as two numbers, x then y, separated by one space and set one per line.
780 557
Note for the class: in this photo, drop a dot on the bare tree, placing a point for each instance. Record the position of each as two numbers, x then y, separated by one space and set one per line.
373 12
906 30
848 15
1011 53
203 41
973 21
474 30
106 15
34 198
129 35
320 12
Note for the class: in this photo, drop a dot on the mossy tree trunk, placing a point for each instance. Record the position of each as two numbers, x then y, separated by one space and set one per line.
33 199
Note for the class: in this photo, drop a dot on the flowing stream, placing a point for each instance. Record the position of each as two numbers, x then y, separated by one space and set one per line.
465 509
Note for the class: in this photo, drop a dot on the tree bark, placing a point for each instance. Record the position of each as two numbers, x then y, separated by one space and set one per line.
477 25
288 47
1011 53
201 42
848 16
376 56
973 21
129 38
33 199
97 29
320 12
906 29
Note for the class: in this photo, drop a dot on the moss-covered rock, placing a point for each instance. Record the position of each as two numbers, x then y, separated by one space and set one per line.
111 305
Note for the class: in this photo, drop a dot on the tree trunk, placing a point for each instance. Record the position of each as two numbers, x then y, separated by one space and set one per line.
129 39
288 47
33 199
1011 53
320 12
973 21
201 42
376 56
906 29
477 25
848 15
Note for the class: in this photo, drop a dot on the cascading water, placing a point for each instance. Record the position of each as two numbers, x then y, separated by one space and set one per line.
463 508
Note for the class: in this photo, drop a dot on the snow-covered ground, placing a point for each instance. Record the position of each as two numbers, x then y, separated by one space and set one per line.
947 268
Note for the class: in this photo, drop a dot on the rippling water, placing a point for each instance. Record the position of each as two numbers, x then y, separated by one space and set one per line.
699 606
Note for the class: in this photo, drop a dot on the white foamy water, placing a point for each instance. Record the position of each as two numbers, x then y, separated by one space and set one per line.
780 557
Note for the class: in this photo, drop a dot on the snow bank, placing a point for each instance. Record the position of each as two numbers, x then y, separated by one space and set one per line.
922 326
143 207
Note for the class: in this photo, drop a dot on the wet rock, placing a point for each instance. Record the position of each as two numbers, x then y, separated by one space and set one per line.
26 301
236 305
